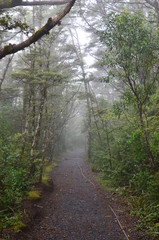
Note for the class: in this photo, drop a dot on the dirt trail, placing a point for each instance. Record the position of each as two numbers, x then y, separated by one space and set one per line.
77 209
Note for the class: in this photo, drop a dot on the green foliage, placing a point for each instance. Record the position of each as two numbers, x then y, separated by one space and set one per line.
132 54
105 182
131 60
13 170
153 188
7 22
14 221
140 181
14 184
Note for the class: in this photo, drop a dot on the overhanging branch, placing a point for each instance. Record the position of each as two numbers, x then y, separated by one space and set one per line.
51 23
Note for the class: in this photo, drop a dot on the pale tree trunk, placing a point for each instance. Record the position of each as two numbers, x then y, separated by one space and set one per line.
45 134
28 107
26 112
89 121
36 132
44 142
5 71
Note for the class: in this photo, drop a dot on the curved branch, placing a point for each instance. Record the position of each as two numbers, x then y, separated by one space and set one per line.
51 23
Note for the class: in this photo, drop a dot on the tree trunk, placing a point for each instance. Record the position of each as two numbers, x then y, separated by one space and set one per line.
89 121
36 132
108 146
5 71
44 142
147 144
26 112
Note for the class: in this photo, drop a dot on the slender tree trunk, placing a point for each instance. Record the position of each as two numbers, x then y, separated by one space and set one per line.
44 142
108 146
26 111
147 144
94 116
89 121
36 132
5 71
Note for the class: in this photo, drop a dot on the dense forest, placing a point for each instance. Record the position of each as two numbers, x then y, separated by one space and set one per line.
86 78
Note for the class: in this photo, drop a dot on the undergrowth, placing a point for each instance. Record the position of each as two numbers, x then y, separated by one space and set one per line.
142 198
11 217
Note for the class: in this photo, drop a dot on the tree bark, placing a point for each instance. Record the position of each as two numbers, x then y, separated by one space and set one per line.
51 23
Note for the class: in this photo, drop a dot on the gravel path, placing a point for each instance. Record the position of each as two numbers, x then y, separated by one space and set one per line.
77 209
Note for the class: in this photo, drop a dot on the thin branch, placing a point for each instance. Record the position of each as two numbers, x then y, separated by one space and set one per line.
119 223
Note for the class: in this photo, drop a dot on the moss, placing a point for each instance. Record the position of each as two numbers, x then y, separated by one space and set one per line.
7 48
46 174
34 195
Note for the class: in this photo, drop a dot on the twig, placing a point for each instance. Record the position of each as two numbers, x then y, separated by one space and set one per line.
86 177
119 223
38 206
5 210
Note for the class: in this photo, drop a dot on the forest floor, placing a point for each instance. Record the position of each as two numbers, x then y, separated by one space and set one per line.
76 208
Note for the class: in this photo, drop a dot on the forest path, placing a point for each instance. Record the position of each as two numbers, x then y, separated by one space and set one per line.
77 209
